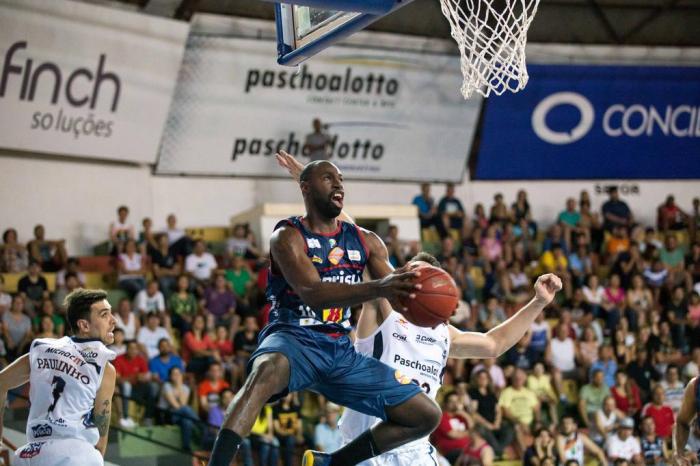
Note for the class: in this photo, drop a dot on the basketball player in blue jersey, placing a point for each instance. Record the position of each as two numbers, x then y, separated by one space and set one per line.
315 274
690 408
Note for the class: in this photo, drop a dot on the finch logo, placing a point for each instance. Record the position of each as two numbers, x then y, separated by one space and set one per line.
31 450
335 256
402 379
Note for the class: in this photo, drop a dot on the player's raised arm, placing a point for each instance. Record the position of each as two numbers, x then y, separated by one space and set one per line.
288 251
13 376
502 337
681 428
102 411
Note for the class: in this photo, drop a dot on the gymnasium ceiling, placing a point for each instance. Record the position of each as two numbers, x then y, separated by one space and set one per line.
631 22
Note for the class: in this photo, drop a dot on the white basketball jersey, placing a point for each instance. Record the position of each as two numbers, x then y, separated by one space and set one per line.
418 353
64 378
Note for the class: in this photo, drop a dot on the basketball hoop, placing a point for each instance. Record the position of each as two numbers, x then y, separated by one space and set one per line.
491 36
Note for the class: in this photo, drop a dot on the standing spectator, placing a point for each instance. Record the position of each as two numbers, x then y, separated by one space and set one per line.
220 305
626 394
673 388
5 298
622 444
488 417
126 320
150 300
451 210
182 305
572 444
451 437
520 407
150 335
33 288
240 243
427 210
161 365
209 389
50 254
606 421
318 144
135 382
166 267
175 399
661 413
13 255
121 231
201 263
670 217
543 448
654 448
616 212
132 269
198 350
16 329
591 397
288 427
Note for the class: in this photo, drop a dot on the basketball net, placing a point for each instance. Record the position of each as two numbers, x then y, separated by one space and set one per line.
491 36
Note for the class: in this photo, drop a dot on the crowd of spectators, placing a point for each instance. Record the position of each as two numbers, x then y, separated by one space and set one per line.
600 373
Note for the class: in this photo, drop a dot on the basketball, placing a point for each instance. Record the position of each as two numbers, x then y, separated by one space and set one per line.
437 299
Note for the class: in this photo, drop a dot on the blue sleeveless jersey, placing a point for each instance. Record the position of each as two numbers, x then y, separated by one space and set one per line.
338 257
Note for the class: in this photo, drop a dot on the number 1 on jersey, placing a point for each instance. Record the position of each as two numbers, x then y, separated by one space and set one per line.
60 384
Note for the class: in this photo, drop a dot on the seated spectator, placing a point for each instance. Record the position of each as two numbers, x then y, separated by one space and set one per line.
541 385
166 267
450 209
180 243
223 342
555 237
616 212
175 399
13 255
623 444
606 421
240 244
569 217
150 300
693 311
491 247
288 428
209 389
639 299
613 303
626 394
543 448
692 264
16 329
593 293
126 320
655 277
241 279
119 347
572 444
666 352
642 371
670 217
5 298
166 359
492 314
651 244
182 305
263 438
605 363
521 355
654 448
48 310
198 350
72 266
628 264
200 264
487 416
71 283
45 329
661 413
150 335
581 262
591 397
33 288
617 244
520 407
220 304
134 382
50 254
478 452
495 372
132 270
673 259
499 211
121 231
427 210
623 344
673 388
676 313
588 348
540 335
522 216
561 356
451 437
245 342
554 261
692 368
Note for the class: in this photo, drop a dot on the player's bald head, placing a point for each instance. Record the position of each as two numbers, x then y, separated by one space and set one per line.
311 168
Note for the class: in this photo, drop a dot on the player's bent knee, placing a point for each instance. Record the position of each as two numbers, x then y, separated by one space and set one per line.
270 373
432 417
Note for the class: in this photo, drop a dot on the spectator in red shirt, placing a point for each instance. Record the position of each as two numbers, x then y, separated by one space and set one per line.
626 394
135 383
670 216
452 435
660 412
198 350
210 388
223 342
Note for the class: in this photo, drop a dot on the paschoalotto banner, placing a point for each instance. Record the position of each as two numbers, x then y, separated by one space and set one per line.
86 80
390 115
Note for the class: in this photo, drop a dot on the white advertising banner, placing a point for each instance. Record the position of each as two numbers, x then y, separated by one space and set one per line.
390 115
86 80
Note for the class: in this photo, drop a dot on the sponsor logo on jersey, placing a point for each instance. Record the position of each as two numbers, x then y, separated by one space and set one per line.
88 420
425 339
336 255
313 243
332 242
354 255
89 355
66 354
423 367
42 430
316 260
60 422
399 337
31 450
334 314
402 379
402 322
351 278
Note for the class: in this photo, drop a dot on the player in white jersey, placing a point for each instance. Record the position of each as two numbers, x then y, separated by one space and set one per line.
71 387
419 354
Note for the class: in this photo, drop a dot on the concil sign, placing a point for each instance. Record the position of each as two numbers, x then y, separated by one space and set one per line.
71 84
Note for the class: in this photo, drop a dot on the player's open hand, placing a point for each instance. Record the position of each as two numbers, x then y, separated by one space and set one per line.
289 163
399 286
546 287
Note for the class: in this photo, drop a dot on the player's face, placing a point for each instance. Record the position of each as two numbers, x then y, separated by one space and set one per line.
325 190
102 322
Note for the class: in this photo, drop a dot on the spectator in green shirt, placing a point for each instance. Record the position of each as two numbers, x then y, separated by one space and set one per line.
182 305
672 258
241 279
592 396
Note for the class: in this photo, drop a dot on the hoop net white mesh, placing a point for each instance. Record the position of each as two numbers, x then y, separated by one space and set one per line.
491 36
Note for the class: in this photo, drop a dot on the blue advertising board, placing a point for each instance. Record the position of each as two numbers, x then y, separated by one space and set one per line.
594 122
